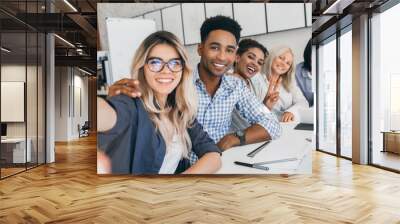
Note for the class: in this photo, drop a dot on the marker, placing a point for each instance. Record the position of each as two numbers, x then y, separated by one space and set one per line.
276 161
251 165
257 150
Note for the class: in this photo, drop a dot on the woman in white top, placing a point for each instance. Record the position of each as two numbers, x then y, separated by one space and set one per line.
280 81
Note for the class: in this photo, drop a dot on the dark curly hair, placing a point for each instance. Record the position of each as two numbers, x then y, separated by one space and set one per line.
220 23
307 56
246 44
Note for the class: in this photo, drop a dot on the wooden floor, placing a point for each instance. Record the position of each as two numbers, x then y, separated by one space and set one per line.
70 191
10 171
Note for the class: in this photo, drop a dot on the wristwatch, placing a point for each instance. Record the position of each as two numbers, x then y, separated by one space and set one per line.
240 135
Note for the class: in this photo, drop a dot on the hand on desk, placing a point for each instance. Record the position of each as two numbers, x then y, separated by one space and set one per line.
228 141
287 117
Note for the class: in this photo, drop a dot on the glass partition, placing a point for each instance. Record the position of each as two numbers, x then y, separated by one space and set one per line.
41 110
13 87
22 64
385 89
346 93
31 98
327 96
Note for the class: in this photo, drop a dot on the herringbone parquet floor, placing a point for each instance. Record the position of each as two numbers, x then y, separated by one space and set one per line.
69 191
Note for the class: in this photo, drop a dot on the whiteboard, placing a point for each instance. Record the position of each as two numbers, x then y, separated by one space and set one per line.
285 16
124 35
251 17
156 16
12 101
193 17
214 9
172 21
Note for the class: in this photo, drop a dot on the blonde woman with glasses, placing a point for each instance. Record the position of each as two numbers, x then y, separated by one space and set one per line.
154 133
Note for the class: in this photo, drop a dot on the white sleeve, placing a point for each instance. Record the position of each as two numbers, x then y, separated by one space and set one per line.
299 101
259 81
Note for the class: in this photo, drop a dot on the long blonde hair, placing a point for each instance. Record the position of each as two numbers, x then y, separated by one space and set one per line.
288 77
181 105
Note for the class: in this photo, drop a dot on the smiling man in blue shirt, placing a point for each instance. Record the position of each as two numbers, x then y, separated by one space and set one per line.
219 94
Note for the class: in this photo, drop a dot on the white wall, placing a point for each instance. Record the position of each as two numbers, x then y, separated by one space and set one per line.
33 127
69 82
80 83
12 73
61 103
294 38
122 10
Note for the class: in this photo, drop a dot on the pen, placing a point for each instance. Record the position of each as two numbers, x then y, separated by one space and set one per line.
258 149
252 165
276 161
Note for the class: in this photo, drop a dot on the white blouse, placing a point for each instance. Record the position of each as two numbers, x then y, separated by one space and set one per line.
291 101
173 154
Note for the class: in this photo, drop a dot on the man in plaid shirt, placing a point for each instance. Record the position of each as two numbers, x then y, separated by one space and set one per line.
218 93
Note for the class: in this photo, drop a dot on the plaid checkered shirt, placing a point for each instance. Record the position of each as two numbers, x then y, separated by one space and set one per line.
215 113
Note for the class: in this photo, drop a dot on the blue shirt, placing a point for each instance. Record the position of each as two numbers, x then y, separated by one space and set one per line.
215 113
304 81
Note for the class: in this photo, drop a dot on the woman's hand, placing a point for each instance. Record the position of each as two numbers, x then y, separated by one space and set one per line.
129 87
208 163
103 163
272 99
287 117
272 93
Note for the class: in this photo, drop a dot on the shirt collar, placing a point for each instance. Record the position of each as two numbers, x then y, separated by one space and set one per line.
197 80
196 76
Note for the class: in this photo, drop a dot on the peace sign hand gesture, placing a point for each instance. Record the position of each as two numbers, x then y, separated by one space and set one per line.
272 93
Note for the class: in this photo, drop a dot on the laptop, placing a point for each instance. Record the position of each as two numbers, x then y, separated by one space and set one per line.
306 119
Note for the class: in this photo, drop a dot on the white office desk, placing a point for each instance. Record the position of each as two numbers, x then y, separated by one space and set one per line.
292 143
19 149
